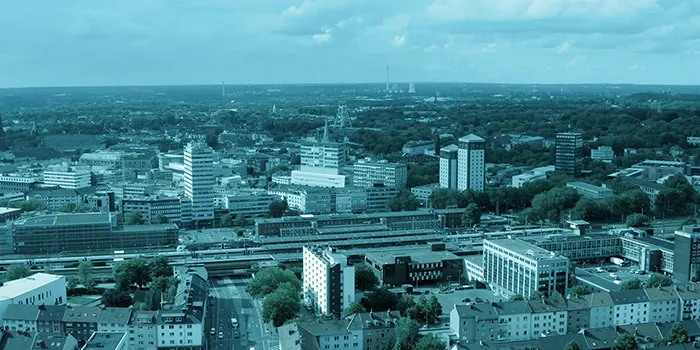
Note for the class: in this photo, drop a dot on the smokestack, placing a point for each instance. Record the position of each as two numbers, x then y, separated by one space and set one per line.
387 78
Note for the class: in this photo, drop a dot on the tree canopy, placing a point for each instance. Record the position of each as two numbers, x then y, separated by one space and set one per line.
268 279
282 304
365 279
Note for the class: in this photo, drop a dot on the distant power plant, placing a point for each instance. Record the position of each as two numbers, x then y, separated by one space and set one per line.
387 79
411 88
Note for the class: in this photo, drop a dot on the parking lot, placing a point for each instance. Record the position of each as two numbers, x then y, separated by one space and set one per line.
610 276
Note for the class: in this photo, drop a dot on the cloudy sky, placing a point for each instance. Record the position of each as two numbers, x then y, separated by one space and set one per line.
122 42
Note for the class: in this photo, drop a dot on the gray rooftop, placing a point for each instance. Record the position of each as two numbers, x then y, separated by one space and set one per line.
418 255
485 311
22 312
66 219
116 315
629 296
524 249
471 138
104 341
661 294
84 314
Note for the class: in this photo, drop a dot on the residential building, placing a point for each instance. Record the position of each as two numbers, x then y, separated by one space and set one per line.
424 192
328 281
509 321
37 341
199 180
37 289
603 154
107 341
513 267
144 330
69 177
114 319
54 198
153 208
375 328
664 304
20 318
689 296
693 140
381 173
548 315
578 314
50 319
569 153
81 321
590 191
686 257
631 307
86 232
471 166
448 166
417 266
602 307
541 173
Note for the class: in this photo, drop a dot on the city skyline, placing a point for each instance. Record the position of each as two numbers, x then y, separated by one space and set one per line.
321 41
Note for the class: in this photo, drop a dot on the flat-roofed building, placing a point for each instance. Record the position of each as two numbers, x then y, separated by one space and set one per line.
590 191
514 267
448 166
578 247
107 341
603 154
686 262
380 173
37 289
18 183
430 264
154 208
69 177
54 198
328 281
471 163
569 153
249 205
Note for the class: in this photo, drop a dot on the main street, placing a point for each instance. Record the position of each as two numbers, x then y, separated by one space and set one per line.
232 300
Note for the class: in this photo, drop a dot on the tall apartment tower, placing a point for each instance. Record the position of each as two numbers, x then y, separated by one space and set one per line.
328 281
321 164
471 166
448 166
569 153
199 180
686 255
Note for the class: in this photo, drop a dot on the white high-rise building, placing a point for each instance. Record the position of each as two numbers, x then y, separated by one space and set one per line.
328 281
471 163
448 166
321 164
199 180
70 178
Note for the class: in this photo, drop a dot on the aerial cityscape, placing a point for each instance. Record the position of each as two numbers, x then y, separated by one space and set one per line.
286 204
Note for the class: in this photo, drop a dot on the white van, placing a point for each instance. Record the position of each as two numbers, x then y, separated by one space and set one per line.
234 323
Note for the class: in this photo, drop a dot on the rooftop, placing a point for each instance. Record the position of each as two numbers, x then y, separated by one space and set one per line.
471 138
629 296
117 315
87 314
16 288
522 248
66 219
420 255
4 210
104 340
587 186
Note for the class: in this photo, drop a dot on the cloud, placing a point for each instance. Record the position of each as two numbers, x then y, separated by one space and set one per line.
399 41
564 47
323 37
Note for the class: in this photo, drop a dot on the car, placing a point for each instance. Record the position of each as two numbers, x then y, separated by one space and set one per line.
466 300
212 331
599 269
236 335
613 275
221 335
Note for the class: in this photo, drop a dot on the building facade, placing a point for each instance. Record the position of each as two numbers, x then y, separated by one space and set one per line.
448 166
513 267
37 289
199 180
569 153
385 174
603 154
686 257
154 208
328 281
69 178
590 191
471 163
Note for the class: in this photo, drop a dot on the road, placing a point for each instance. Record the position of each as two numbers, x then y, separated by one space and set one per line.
231 300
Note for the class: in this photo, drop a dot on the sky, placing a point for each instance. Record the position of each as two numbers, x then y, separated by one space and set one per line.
179 42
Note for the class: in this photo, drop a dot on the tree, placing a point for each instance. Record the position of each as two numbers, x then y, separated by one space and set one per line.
240 233
281 305
677 334
268 279
429 342
153 299
405 334
130 272
160 219
637 220
579 290
572 345
679 182
353 308
405 201
15 272
430 309
625 341
71 283
550 204
277 209
85 275
634 283
227 220
239 221
115 298
381 299
438 145
671 201
406 305
212 140
165 286
590 210
133 218
659 280
471 216
159 267
365 279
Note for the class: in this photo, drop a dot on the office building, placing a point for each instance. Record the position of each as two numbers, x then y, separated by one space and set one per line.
311 179
533 175
514 267
471 166
416 266
249 205
154 209
86 232
686 257
11 183
448 166
569 153
603 154
321 164
70 178
54 198
382 173
37 289
199 180
590 191
412 148
328 281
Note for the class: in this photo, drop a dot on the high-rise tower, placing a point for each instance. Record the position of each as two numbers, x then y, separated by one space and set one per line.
471 166
199 180
448 166
3 145
569 153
